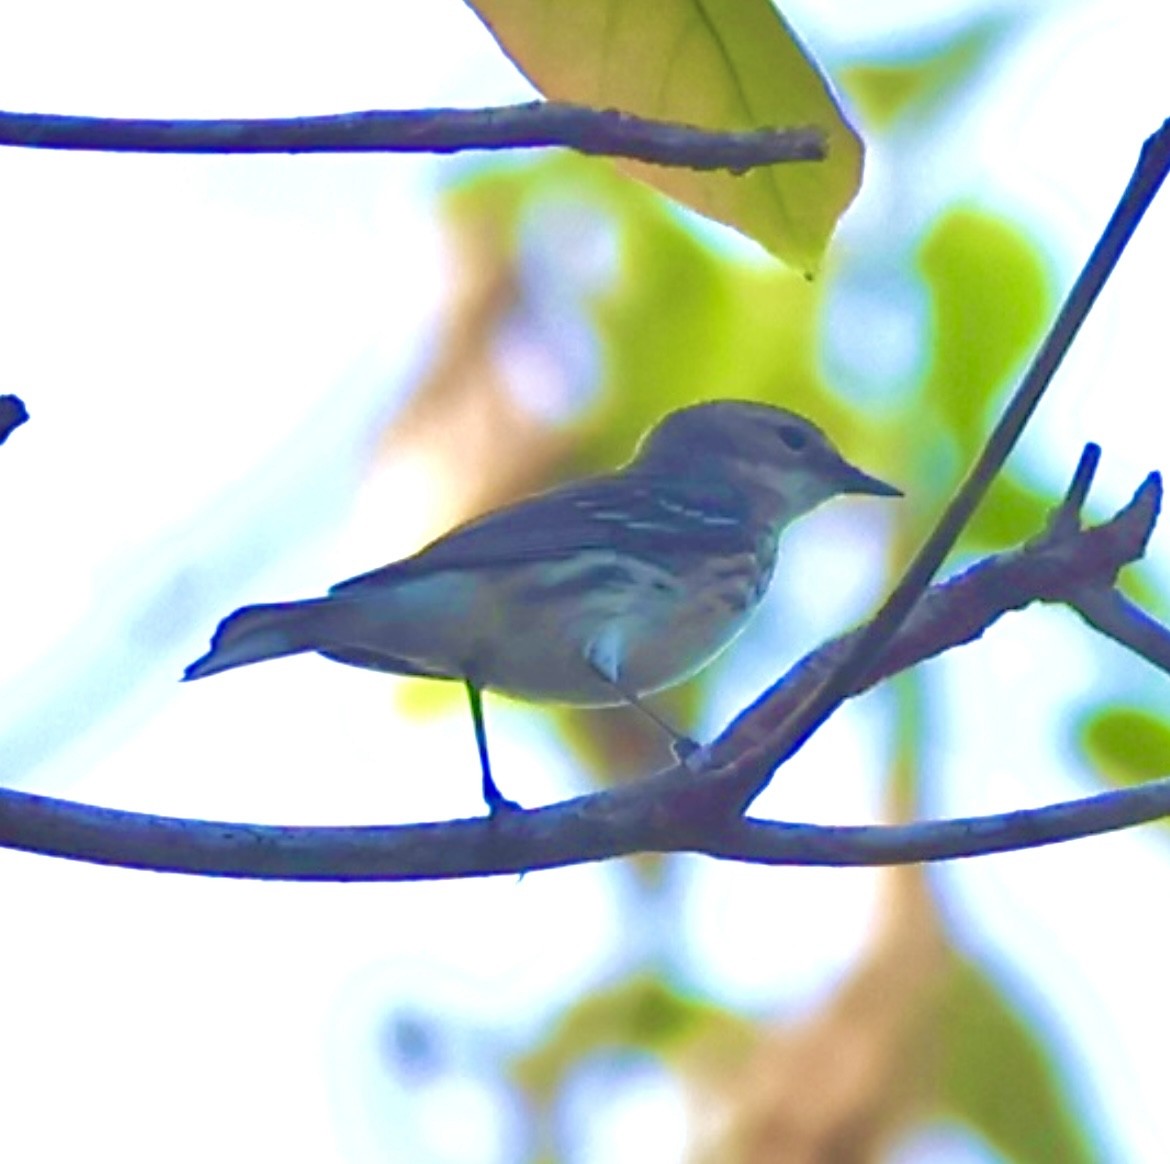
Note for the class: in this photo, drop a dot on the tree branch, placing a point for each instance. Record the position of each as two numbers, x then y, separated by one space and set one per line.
535 125
678 810
591 828
1111 613
788 737
12 415
1061 565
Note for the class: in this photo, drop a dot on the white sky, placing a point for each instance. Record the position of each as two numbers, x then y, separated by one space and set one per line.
185 330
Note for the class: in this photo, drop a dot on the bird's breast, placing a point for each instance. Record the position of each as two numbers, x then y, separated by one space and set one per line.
649 625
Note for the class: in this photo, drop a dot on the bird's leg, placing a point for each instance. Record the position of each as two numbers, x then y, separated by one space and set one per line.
682 745
496 801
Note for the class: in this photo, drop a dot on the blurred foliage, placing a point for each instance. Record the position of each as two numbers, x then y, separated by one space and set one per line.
729 64
997 1075
1126 745
1011 513
678 320
643 1014
925 77
914 1031
990 297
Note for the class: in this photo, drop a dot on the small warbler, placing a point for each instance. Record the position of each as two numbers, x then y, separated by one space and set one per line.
595 593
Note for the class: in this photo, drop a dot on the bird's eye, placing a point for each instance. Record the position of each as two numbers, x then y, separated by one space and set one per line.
793 436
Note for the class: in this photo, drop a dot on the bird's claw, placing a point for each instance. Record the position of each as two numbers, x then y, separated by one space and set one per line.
502 806
690 753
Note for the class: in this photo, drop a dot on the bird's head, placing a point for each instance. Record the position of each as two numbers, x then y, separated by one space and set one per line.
784 463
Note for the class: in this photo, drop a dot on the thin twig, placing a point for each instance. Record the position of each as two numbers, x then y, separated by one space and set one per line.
1110 612
1067 516
772 843
536 125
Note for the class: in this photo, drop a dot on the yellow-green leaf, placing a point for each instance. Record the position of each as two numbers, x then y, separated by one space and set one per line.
922 77
736 329
640 1013
1010 514
717 64
998 1074
1127 745
990 295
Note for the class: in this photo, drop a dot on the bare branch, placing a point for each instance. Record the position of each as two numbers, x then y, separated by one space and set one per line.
1143 186
1059 566
1110 612
12 415
678 810
592 828
1067 516
774 843
535 125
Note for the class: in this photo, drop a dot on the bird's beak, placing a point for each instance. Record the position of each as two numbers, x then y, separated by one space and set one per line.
852 480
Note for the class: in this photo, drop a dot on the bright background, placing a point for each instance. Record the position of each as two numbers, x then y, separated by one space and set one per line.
216 355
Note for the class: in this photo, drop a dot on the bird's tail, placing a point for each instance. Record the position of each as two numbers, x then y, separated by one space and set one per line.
255 633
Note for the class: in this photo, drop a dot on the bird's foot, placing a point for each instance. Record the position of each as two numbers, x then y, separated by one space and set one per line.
690 753
500 805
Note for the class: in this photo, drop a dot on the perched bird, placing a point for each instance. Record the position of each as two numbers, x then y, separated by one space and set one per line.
595 593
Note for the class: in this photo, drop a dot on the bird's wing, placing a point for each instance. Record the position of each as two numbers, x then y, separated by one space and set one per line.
673 518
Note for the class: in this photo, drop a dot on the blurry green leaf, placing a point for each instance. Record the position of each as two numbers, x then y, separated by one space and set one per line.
991 299
642 1013
1127 745
998 1077
1010 514
924 78
723 64
686 325
678 323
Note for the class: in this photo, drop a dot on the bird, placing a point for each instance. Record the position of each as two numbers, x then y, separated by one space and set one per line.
598 592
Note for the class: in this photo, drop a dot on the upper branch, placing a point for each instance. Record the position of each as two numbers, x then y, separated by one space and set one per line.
534 125
1140 191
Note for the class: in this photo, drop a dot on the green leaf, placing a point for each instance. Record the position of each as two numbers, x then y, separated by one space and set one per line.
641 1013
719 64
1126 744
1011 513
734 329
990 299
922 78
998 1077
